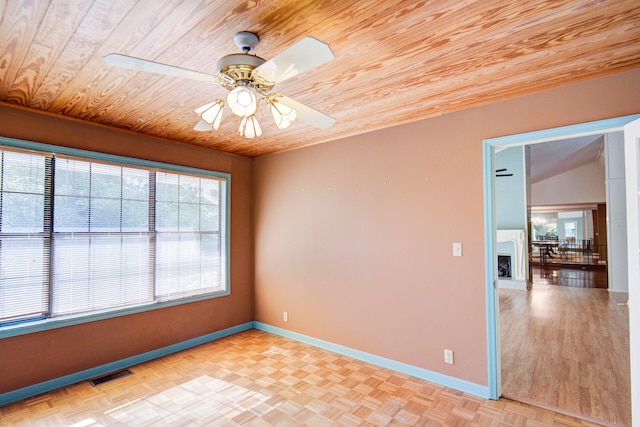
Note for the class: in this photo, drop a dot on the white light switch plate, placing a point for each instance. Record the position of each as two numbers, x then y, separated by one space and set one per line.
457 249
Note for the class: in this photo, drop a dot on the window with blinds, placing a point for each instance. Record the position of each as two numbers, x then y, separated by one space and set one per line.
85 236
25 247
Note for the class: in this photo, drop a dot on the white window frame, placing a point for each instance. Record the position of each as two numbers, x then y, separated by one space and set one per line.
37 325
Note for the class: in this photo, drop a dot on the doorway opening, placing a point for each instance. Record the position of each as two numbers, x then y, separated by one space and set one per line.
569 229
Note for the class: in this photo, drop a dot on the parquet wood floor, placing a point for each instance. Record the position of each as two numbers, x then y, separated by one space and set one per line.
259 379
567 348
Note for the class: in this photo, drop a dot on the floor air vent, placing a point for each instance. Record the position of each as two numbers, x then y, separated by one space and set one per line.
110 377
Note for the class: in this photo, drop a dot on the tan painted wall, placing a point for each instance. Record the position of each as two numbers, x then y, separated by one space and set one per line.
33 358
353 237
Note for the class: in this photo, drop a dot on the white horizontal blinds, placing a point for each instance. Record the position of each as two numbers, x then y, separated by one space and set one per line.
189 244
24 245
81 236
102 254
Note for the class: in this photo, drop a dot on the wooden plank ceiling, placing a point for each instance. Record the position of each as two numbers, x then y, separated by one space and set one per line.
396 61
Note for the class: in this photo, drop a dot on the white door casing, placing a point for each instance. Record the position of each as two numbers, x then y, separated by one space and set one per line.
632 171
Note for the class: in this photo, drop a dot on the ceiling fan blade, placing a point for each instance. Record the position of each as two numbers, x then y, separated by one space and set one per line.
132 63
308 114
301 56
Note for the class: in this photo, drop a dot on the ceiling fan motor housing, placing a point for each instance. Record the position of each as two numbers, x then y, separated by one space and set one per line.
246 41
237 69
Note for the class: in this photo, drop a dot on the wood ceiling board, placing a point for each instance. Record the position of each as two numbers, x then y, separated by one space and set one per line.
45 49
18 27
396 62
95 82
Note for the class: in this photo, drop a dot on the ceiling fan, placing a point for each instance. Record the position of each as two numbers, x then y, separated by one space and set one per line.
250 81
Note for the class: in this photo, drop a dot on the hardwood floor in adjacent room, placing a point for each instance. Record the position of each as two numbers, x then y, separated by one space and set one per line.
567 348
258 379
576 276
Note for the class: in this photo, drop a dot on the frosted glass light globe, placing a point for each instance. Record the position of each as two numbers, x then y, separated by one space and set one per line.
242 101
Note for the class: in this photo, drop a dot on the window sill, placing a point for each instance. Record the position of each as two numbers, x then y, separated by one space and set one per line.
28 327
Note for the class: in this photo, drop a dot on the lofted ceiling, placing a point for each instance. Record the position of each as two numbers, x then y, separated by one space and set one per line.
549 159
395 61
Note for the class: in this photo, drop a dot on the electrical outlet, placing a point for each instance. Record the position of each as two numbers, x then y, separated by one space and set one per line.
285 316
448 356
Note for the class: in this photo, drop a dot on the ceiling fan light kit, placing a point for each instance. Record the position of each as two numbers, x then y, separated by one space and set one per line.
249 80
211 115
249 127
282 114
242 101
